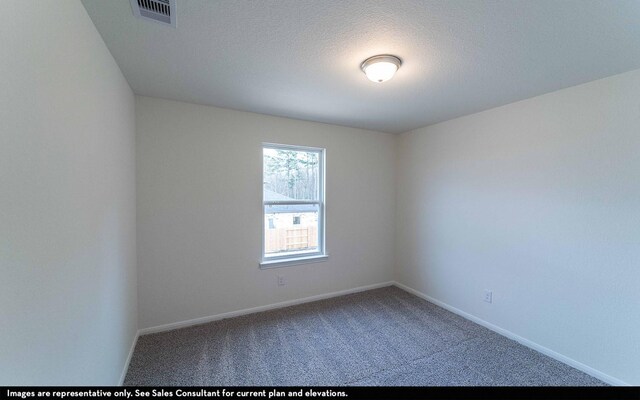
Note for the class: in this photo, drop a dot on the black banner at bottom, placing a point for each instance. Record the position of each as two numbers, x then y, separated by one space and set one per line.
436 393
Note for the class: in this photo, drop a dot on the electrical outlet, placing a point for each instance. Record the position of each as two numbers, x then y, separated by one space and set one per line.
488 296
280 280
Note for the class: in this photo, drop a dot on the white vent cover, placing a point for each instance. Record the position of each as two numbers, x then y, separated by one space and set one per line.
163 11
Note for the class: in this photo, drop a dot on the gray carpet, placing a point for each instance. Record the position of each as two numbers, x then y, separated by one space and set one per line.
379 337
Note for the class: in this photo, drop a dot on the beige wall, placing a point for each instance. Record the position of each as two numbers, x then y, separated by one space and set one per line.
538 201
67 200
200 213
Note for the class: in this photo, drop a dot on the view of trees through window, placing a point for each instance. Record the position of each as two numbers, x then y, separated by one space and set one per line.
292 201
291 173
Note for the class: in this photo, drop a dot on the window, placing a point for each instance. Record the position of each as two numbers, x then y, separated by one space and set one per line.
293 205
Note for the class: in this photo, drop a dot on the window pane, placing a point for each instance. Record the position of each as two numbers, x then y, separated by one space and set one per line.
295 229
290 175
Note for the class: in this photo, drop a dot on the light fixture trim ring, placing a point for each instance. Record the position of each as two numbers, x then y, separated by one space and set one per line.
380 58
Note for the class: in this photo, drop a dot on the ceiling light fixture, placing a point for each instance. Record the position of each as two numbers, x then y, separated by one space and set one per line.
380 68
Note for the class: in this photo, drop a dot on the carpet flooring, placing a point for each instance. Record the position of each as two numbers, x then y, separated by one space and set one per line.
379 337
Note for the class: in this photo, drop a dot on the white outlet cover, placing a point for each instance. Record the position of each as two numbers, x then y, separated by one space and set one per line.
488 296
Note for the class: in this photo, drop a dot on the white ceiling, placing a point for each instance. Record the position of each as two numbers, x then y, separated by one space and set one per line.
301 58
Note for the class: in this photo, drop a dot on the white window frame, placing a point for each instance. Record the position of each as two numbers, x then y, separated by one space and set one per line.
308 257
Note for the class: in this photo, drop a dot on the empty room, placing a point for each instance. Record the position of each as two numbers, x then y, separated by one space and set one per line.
357 196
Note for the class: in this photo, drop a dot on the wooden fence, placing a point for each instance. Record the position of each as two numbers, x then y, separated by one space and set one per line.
291 239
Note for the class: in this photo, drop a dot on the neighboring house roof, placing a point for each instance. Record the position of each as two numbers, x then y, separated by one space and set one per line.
270 195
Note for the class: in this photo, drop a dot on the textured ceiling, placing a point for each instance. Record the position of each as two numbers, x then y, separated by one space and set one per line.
301 58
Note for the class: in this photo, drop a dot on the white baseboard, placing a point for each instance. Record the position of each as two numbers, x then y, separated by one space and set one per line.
237 313
526 342
126 363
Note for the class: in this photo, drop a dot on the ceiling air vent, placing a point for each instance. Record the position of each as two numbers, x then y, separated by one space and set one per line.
163 11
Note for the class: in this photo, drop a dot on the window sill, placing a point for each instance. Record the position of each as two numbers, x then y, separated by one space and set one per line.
266 264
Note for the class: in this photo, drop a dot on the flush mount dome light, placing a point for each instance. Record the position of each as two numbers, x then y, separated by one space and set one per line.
380 68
